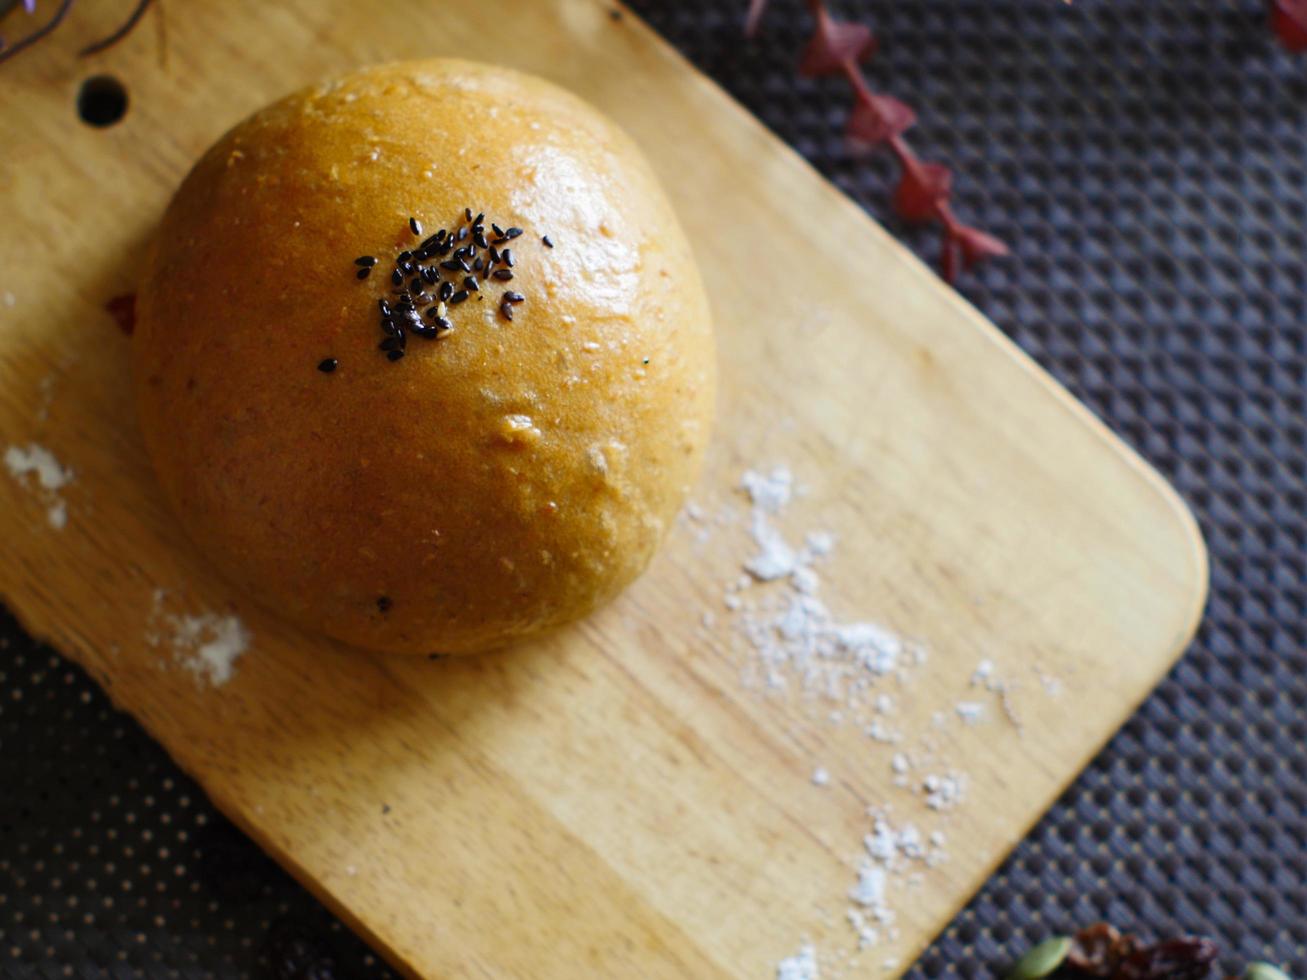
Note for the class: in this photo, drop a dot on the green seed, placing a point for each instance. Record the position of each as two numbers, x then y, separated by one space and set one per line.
1041 960
1264 971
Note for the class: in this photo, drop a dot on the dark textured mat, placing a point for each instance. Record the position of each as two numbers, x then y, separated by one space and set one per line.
1148 164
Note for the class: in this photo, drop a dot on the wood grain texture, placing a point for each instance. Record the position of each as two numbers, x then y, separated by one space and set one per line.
610 801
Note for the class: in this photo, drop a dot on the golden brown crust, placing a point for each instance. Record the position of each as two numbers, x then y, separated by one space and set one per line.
503 479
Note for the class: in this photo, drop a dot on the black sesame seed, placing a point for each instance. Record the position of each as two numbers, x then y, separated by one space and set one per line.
458 297
432 241
470 284
446 290
499 241
512 232
430 273
403 302
503 275
415 285
452 265
391 328
462 233
397 278
478 263
384 307
404 256
479 218
499 232
464 265
508 257
443 324
394 355
512 297
547 242
363 273
366 260
479 237
506 310
467 214
392 343
494 255
424 331
327 365
440 234
421 255
384 603
464 252
415 226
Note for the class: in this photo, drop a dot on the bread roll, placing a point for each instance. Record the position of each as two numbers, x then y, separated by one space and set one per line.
455 492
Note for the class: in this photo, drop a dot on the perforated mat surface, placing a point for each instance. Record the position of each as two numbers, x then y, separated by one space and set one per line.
1147 162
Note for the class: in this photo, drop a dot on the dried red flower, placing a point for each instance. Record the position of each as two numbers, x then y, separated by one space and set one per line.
835 44
877 119
924 187
977 245
1289 21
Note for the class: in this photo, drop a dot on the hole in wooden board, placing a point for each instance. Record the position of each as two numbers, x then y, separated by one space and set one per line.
101 101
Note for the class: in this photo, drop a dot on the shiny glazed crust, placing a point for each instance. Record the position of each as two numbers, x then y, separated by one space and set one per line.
506 478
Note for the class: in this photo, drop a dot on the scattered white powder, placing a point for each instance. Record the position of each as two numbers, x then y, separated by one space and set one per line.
819 543
801 966
792 633
51 477
1052 685
770 492
970 711
890 856
944 792
208 645
869 892
877 732
775 559
794 643
867 934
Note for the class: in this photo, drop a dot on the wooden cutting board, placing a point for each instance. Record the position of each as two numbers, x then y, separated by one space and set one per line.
616 800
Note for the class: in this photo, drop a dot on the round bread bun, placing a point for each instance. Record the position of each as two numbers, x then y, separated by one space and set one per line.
505 477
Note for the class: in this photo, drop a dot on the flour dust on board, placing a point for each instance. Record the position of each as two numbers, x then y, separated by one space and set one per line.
791 645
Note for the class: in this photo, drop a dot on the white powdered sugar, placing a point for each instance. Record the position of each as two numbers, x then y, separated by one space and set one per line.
970 711
794 635
207 644
801 966
890 855
943 792
51 477
853 672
